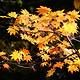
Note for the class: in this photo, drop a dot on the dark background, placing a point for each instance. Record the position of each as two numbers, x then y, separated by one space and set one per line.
9 43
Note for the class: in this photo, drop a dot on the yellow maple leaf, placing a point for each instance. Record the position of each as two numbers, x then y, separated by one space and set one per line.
16 55
50 72
77 61
34 18
55 24
72 68
25 12
15 27
12 31
60 13
6 65
13 14
45 57
68 61
74 14
66 43
68 27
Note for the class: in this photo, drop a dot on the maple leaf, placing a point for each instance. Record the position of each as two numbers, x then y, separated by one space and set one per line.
27 58
44 64
60 13
45 57
55 24
68 61
51 15
29 38
12 31
50 72
24 36
25 12
74 14
66 43
5 58
68 27
16 28
77 61
44 20
59 65
43 10
13 14
16 55
2 53
53 50
6 65
24 52
72 68
34 18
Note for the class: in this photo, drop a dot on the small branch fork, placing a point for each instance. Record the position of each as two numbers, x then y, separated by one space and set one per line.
20 65
76 51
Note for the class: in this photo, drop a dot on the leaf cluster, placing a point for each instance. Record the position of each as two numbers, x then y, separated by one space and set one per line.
52 32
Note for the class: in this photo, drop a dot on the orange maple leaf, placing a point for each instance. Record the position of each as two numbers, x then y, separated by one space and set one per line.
24 52
27 58
6 65
53 50
59 65
43 10
44 64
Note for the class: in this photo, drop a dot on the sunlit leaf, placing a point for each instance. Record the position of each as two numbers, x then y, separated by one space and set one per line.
43 10
72 68
50 72
13 14
45 57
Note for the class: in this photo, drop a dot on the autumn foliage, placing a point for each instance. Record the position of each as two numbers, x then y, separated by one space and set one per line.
52 32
